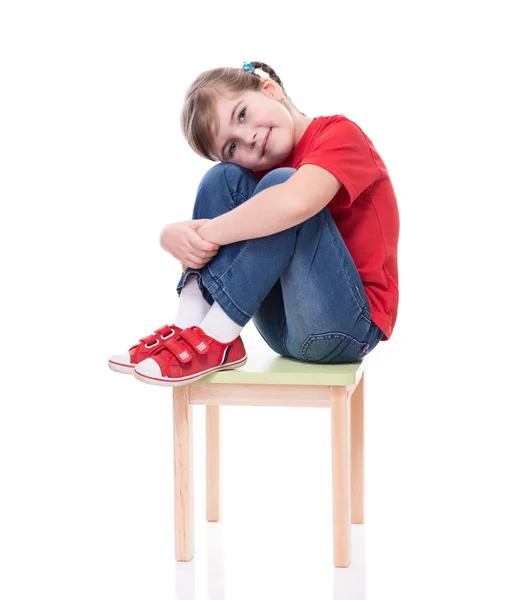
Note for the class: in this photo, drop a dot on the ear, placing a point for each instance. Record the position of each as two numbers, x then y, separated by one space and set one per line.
271 87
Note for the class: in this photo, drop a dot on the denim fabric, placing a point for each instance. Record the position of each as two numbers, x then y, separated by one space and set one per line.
299 286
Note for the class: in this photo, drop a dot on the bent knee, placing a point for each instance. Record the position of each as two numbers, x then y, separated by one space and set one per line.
276 176
221 173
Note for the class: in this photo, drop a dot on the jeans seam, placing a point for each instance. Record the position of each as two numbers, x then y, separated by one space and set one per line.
364 308
339 257
217 279
235 193
323 226
217 284
284 327
244 199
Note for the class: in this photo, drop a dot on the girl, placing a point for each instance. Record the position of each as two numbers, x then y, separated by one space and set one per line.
296 227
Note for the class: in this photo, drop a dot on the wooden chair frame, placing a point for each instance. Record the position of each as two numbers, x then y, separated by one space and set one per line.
247 387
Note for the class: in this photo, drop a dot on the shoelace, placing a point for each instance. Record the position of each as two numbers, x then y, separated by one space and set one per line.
164 332
182 351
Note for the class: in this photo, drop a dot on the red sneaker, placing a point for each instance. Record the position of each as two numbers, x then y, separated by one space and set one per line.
189 356
126 361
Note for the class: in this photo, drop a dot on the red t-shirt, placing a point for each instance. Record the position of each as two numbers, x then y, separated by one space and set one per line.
365 209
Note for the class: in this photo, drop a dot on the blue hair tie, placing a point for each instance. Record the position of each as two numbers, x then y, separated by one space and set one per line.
248 67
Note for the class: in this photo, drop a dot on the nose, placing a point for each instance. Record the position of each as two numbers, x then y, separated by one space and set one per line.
251 138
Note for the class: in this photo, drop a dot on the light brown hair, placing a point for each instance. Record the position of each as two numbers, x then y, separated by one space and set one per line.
199 117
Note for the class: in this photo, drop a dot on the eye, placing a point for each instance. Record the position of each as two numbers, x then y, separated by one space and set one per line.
231 150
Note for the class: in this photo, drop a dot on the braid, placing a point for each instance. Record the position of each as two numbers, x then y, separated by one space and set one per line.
270 71
273 75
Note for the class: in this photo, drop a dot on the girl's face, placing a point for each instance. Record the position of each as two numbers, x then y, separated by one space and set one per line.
256 130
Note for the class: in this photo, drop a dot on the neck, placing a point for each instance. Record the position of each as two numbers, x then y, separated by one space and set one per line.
301 122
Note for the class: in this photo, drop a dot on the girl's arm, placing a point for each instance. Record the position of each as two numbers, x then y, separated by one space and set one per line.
276 208
269 211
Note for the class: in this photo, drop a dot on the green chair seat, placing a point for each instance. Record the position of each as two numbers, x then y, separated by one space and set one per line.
268 368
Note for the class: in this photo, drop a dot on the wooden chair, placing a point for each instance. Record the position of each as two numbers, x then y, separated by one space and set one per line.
272 380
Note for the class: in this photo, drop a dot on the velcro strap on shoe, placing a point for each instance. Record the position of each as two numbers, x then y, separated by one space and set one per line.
164 331
197 342
181 352
152 340
149 340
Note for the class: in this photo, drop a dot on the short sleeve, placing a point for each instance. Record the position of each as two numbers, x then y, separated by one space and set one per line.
345 151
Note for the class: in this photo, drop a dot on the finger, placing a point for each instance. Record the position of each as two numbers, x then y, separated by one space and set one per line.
204 254
200 244
204 260
195 262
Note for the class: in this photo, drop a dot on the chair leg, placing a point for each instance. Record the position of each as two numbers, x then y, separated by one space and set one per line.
357 406
340 429
183 474
212 416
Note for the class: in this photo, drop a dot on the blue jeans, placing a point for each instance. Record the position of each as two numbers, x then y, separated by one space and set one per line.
299 286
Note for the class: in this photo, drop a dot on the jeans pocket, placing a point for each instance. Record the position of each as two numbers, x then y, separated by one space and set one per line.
326 347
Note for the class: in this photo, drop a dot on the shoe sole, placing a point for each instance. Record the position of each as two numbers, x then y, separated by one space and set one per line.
121 368
168 382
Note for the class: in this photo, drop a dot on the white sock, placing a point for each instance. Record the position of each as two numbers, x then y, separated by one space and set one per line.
192 306
219 325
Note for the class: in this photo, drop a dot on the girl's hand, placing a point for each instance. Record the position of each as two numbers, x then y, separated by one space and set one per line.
182 241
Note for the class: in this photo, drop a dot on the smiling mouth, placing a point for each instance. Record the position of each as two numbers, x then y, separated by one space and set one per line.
265 141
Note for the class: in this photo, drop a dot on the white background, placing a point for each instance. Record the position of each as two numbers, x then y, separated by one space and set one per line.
93 165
